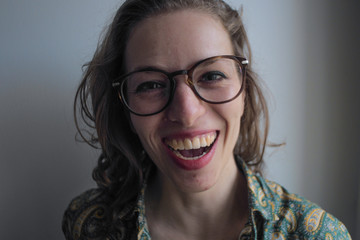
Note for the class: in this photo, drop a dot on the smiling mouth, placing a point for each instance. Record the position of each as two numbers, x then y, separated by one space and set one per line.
192 148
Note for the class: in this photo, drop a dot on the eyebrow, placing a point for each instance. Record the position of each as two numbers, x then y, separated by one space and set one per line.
146 67
163 68
159 68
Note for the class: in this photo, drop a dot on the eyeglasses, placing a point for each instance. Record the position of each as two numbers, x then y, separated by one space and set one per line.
215 80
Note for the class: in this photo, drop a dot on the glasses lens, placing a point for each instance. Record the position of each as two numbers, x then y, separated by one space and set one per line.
218 80
146 92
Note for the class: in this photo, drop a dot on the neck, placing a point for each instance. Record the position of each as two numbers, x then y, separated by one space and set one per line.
200 215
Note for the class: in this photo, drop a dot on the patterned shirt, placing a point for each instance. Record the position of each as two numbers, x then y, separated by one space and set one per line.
274 214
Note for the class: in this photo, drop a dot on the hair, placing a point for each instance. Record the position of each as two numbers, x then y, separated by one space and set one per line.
120 166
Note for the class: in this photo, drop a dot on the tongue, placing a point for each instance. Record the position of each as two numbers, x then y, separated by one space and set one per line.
192 152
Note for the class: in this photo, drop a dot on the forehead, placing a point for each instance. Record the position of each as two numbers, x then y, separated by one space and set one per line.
176 40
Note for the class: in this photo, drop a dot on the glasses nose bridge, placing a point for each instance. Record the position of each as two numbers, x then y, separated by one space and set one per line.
188 80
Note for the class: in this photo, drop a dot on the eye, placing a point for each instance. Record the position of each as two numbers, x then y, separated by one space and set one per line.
149 86
212 76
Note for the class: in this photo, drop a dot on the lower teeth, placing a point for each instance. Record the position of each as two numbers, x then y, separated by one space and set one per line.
189 158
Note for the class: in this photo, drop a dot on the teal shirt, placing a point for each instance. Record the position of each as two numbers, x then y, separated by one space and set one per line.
274 213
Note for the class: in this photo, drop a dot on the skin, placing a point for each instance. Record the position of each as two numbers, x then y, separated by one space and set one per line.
180 203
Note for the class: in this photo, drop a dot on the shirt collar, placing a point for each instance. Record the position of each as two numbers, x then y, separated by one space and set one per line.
261 199
258 207
143 230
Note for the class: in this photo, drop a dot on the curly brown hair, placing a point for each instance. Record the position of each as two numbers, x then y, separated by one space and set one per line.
120 166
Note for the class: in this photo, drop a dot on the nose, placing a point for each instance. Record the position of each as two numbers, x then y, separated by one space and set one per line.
185 107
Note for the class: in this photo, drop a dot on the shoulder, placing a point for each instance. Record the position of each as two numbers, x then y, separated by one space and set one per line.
87 215
292 216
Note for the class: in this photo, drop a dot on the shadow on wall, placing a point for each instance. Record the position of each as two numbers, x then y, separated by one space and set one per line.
40 160
333 111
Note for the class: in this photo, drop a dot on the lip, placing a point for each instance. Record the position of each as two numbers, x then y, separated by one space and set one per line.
192 164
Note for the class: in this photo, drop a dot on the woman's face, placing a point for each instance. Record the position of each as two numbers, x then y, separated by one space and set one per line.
173 42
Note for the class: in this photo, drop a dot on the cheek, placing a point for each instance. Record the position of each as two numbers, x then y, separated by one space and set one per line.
233 111
140 127
238 108
241 103
134 124
145 128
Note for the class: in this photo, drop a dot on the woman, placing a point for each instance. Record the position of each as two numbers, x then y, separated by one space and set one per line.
177 108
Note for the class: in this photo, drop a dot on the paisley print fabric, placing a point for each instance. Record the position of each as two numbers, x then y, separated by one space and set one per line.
88 217
277 214
274 214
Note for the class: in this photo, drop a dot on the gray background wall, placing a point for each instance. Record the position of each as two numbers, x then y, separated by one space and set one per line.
306 52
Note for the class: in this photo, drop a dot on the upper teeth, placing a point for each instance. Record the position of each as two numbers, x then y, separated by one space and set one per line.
194 143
